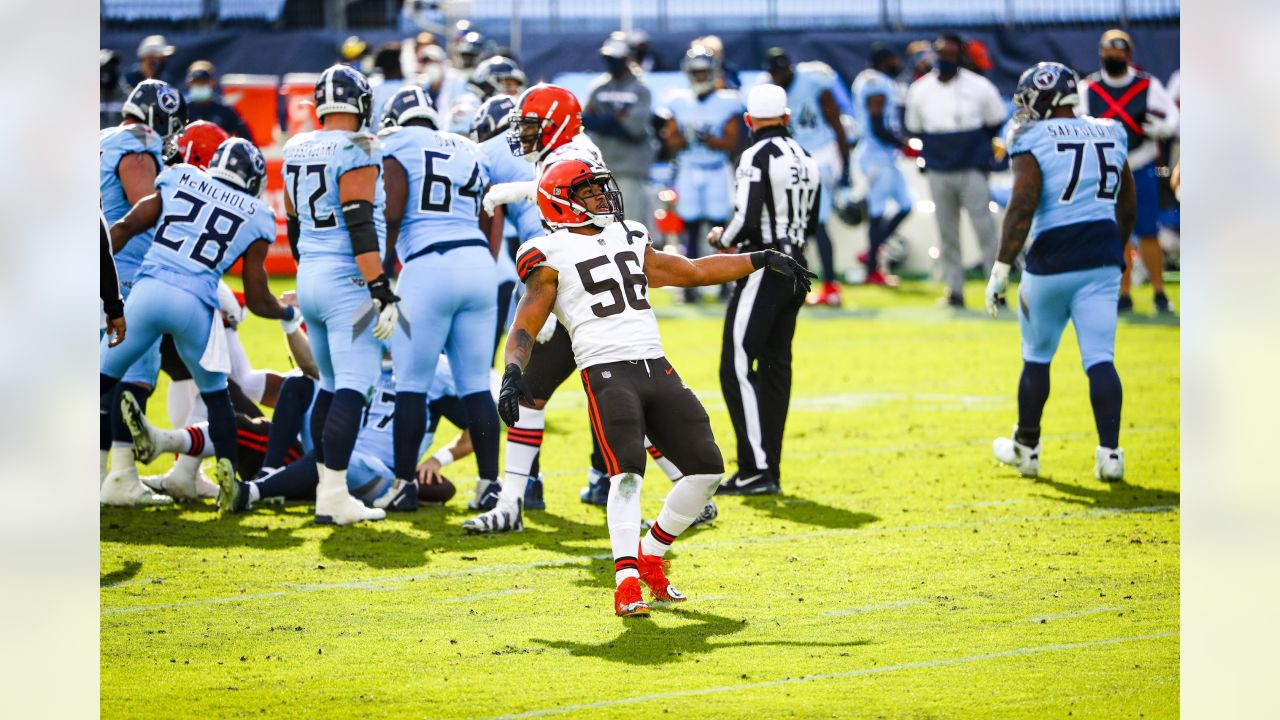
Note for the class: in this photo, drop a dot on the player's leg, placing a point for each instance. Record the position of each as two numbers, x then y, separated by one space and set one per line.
746 334
888 224
946 200
1147 228
976 197
1093 312
471 360
679 424
182 389
1044 306
121 486
296 395
876 172
828 160
427 304
691 206
295 481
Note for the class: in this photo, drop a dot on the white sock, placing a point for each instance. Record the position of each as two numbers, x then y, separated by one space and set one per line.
523 442
684 503
255 494
103 457
623 514
121 456
186 466
195 437
182 394
668 467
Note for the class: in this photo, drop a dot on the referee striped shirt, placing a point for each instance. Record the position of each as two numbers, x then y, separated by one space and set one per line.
777 195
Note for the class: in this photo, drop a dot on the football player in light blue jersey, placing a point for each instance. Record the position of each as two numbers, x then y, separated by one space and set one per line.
815 124
878 113
704 128
334 201
520 218
130 155
207 221
1073 192
448 277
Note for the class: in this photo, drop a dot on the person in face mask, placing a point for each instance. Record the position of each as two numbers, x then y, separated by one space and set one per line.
955 113
1140 103
153 54
203 102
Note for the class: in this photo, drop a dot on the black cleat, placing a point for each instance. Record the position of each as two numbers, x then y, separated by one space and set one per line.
1125 305
596 492
1162 304
758 484
533 494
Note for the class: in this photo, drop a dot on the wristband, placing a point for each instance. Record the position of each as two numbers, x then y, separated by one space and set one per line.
358 215
443 456
757 259
1000 271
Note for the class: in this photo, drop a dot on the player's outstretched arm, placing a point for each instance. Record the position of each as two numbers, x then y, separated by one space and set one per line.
667 269
531 314
257 289
140 218
1126 205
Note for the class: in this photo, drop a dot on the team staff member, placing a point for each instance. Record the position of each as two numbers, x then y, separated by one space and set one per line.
617 119
956 112
204 104
776 208
1140 103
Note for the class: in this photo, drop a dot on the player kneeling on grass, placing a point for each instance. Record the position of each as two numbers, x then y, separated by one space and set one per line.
594 272
1073 186
207 220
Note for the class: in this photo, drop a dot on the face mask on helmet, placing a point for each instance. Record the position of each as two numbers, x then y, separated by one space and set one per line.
701 82
599 198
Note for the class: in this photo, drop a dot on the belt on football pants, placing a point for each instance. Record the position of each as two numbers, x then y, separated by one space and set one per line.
444 247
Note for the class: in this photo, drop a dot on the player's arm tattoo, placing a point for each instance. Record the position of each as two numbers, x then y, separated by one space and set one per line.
1022 206
532 312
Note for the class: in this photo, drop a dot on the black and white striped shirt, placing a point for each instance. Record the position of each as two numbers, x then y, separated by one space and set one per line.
777 194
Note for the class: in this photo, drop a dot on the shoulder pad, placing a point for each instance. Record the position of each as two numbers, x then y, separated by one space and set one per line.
816 67
365 142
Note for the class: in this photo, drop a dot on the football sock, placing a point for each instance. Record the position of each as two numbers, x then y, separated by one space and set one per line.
524 440
482 421
825 256
122 457
1033 393
407 431
319 416
623 513
106 392
286 422
191 440
104 457
296 481
186 466
181 398
120 431
625 567
222 423
891 226
668 467
340 428
1106 395
875 238
684 503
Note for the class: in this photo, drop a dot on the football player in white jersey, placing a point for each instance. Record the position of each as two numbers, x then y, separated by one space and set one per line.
593 271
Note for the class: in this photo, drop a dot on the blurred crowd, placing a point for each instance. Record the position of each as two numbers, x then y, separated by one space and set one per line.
671 130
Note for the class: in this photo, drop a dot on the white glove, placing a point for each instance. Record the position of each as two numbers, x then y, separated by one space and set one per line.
713 237
1157 128
504 193
997 286
291 323
386 322
548 329
232 313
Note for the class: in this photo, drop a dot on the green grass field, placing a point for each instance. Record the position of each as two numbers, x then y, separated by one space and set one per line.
902 574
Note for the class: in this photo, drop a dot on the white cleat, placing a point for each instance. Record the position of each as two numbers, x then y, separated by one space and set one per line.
145 448
184 481
1011 452
1108 464
497 520
345 510
124 488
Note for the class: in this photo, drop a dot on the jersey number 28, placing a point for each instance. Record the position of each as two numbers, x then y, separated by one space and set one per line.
220 237
631 291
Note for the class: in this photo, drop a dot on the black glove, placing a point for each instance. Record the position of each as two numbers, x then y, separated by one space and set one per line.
380 289
786 266
513 389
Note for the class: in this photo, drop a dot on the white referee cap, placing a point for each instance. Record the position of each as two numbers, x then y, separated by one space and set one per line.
767 101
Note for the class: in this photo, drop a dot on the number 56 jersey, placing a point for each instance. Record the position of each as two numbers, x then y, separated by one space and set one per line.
602 298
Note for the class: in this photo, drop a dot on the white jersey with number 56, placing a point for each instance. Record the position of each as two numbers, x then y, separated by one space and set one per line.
602 299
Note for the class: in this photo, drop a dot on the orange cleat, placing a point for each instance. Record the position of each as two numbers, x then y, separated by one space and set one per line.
879 278
653 573
627 600
828 295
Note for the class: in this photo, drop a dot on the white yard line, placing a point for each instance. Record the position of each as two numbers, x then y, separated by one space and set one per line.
869 608
922 665
521 567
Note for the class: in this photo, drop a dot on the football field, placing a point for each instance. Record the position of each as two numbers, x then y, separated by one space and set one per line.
903 572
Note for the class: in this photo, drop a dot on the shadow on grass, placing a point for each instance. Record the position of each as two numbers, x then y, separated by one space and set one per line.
194 526
1115 496
644 642
124 574
807 512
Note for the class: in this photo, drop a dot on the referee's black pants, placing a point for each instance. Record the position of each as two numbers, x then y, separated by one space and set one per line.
755 367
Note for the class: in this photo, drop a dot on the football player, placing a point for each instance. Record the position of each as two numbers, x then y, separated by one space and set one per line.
207 221
594 271
130 156
335 201
878 112
704 129
815 124
1074 191
434 182
497 75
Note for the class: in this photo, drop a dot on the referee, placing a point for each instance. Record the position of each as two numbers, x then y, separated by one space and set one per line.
776 207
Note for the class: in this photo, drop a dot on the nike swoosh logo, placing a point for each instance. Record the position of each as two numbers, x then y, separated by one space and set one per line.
670 370
743 482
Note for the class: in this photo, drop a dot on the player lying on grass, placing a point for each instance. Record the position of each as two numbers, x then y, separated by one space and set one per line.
1072 190
594 272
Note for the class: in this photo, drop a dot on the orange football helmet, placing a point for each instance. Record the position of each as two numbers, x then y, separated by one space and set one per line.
559 201
545 117
195 144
